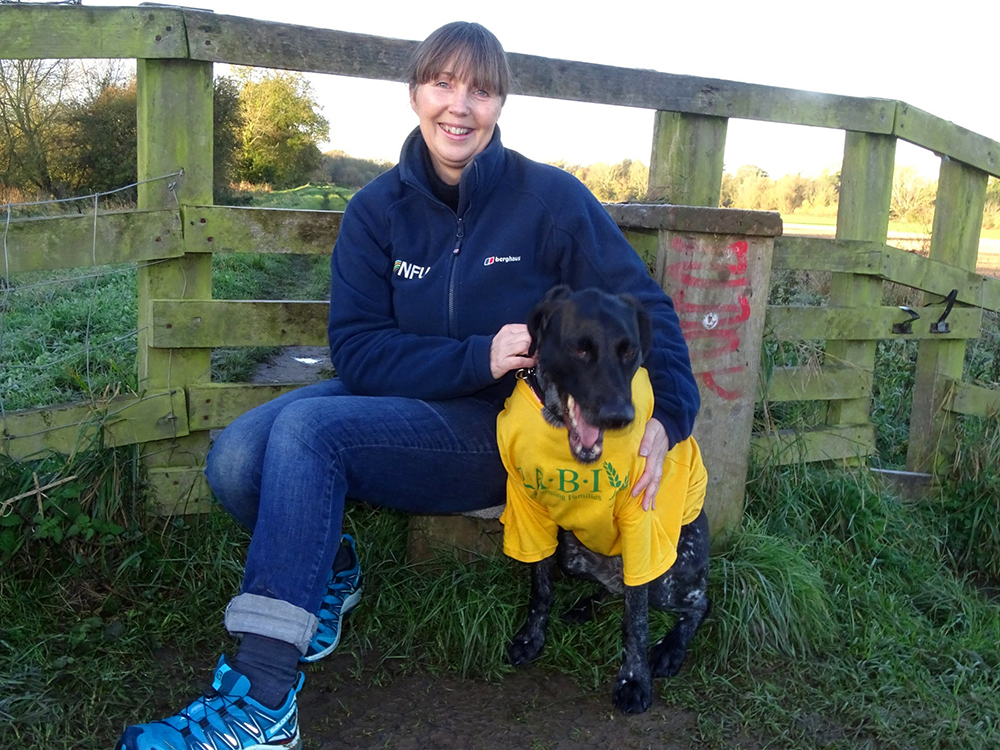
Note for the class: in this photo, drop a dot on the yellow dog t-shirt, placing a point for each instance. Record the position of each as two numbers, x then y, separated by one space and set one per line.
547 488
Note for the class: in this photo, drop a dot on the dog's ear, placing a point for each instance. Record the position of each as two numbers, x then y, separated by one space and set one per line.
539 316
642 321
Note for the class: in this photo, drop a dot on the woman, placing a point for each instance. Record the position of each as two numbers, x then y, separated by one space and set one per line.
436 266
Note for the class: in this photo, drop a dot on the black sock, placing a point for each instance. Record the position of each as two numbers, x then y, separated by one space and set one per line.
344 559
270 665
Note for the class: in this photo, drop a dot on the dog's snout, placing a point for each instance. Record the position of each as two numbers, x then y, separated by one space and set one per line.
616 415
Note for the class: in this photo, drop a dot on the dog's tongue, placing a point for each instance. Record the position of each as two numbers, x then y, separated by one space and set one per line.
589 434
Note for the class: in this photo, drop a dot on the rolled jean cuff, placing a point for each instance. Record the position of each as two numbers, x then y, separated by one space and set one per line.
274 618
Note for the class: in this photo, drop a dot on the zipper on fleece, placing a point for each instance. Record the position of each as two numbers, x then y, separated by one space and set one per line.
459 235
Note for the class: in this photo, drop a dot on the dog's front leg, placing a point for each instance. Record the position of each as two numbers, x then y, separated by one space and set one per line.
633 692
528 641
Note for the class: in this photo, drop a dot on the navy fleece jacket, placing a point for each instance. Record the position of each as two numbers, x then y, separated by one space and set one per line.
418 291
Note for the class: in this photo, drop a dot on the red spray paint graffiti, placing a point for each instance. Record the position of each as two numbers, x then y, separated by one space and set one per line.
712 328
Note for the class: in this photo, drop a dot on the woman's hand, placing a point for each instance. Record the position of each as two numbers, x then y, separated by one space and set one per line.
654 447
508 350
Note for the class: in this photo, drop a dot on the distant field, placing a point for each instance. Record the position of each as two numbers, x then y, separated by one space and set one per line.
311 197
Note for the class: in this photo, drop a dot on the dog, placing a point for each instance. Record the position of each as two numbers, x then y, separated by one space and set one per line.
583 396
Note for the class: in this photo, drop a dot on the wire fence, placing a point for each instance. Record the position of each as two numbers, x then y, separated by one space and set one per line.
71 334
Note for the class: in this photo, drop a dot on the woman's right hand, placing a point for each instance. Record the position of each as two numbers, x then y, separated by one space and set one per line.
508 350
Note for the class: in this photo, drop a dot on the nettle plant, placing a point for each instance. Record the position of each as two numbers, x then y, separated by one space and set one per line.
56 508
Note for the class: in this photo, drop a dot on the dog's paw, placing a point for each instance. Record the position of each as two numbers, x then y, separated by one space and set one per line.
667 656
525 648
632 695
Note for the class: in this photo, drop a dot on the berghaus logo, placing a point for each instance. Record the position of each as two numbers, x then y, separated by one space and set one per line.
501 259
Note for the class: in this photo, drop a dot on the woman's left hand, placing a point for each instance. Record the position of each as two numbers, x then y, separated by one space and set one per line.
654 447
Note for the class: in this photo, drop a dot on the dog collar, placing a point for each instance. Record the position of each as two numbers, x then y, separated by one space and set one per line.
527 374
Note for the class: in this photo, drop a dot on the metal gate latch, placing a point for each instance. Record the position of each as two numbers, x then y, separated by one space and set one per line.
941 326
907 325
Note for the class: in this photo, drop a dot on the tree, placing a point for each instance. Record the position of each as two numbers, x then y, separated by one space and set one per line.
72 130
991 215
625 181
227 127
790 192
281 128
34 95
912 197
347 171
99 150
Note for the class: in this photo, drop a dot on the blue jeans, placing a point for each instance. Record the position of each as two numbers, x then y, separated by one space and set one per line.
285 469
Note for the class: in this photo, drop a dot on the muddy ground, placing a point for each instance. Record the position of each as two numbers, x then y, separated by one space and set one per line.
533 708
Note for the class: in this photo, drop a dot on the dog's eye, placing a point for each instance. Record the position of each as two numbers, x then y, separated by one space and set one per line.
581 354
626 351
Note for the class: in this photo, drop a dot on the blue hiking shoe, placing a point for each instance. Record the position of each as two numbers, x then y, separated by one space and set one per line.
343 592
225 718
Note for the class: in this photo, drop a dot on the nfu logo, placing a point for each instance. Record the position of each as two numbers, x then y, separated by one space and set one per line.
409 270
498 259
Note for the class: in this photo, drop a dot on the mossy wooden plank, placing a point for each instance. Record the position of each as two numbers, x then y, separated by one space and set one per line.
891 263
244 41
933 276
649 89
839 443
991 294
973 400
214 405
862 214
827 254
958 219
793 323
685 166
225 229
646 242
82 241
174 108
469 538
939 135
698 219
816 384
69 428
179 490
212 323
39 31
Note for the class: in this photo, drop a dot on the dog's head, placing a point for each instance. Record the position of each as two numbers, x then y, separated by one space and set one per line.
589 345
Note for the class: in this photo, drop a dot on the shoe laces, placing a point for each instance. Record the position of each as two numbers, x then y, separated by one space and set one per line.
205 701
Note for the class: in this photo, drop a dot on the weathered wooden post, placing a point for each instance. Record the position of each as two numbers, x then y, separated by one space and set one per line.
958 221
716 266
687 159
863 214
174 133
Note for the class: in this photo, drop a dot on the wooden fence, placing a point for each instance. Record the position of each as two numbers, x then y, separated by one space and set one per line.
177 226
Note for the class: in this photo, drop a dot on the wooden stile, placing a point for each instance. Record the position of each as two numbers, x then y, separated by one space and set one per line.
958 218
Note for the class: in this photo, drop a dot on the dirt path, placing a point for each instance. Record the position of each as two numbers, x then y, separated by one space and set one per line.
533 709
296 364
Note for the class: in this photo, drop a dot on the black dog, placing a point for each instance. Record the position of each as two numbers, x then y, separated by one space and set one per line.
589 346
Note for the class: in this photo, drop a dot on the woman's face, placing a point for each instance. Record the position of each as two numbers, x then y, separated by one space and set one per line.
456 120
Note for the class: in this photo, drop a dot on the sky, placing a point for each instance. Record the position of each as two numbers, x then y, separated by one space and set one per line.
941 61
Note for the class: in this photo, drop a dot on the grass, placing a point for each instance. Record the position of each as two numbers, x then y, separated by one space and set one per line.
839 620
